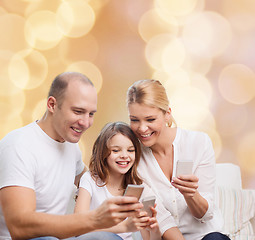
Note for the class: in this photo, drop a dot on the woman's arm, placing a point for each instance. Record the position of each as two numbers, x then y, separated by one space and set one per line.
187 185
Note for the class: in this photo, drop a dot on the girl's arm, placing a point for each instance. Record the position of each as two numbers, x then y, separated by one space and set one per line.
82 201
152 232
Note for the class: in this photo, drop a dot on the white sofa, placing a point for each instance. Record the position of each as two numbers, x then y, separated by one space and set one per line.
237 204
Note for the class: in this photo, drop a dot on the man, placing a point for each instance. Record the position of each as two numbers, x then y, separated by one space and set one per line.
40 162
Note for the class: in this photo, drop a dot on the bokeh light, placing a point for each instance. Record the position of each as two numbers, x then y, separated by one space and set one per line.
206 34
151 25
28 69
201 51
41 30
90 70
237 84
75 18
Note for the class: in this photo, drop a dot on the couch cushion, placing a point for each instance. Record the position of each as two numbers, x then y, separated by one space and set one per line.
228 175
238 208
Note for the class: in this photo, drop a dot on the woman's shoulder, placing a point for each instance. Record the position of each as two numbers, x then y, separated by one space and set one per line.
192 134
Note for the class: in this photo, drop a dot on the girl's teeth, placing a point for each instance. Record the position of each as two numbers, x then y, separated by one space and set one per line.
122 163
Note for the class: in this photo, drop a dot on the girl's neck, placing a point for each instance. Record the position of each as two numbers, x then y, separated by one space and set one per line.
114 184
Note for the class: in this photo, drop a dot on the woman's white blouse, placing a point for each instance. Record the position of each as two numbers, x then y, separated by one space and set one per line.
188 146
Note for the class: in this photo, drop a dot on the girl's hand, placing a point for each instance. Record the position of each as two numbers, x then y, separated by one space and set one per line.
186 184
141 221
153 223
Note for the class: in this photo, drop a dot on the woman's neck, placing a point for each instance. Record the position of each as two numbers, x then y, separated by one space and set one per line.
165 141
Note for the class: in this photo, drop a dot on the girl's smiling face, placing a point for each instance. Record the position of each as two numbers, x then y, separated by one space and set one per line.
122 154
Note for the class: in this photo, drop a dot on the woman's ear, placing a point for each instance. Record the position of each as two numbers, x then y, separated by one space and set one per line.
168 115
51 104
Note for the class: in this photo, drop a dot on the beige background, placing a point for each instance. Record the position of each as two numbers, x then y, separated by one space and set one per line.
202 51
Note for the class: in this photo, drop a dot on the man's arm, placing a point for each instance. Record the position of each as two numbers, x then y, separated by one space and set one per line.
23 222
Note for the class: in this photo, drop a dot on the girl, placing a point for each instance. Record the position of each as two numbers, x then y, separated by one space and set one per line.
113 165
190 201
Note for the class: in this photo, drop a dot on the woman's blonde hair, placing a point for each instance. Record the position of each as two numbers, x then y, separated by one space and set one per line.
151 93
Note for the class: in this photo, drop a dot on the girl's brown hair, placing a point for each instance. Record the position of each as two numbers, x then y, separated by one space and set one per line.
98 163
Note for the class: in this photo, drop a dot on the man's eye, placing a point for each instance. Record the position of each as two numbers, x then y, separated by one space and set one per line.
91 114
77 111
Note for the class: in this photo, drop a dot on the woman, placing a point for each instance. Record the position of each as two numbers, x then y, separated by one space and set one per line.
189 198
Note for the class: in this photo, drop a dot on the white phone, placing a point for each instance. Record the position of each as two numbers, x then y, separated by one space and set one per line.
148 202
133 190
184 168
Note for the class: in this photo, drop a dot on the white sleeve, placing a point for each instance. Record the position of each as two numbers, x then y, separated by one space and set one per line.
17 167
164 217
206 174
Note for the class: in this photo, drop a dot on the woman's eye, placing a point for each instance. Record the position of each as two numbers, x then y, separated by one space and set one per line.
151 119
133 120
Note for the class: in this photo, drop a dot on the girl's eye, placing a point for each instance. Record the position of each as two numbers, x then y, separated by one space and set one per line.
115 150
131 150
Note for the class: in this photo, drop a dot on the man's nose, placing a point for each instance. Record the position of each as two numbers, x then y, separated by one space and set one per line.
85 121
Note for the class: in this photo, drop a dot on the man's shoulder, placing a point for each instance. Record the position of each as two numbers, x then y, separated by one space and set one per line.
18 136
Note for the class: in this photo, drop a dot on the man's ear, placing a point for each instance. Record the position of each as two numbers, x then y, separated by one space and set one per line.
51 104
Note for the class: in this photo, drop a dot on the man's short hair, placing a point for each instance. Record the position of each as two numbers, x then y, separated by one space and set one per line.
60 83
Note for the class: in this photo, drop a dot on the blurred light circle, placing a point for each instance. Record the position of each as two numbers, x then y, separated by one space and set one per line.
202 83
151 25
89 70
246 152
10 124
155 48
28 69
175 80
237 84
176 7
12 29
39 110
7 87
197 64
41 30
231 119
2 11
75 18
173 55
13 105
190 106
207 34
78 49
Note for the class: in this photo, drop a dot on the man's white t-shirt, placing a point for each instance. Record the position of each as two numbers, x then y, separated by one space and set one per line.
30 158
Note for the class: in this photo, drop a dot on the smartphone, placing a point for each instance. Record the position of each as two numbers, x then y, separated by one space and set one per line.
148 202
184 168
133 190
